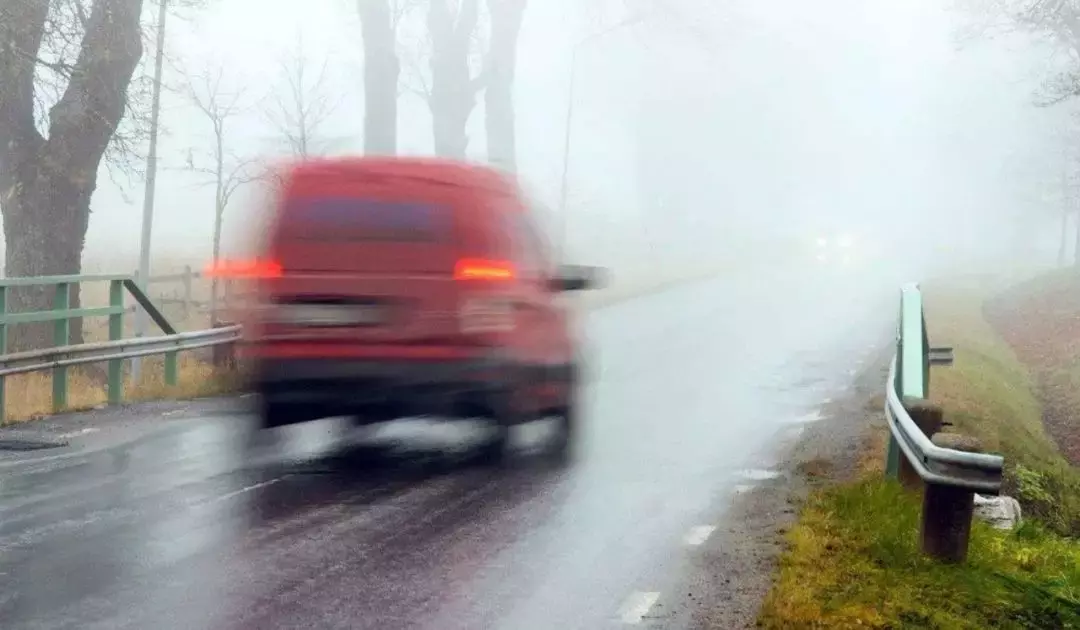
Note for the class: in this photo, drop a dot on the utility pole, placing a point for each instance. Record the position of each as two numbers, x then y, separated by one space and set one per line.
569 122
1064 210
151 181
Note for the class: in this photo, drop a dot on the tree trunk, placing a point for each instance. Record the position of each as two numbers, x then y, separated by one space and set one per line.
506 17
1063 239
453 89
381 72
46 181
219 217
1076 245
48 242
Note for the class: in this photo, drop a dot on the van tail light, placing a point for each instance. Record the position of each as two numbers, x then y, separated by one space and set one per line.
247 270
483 269
485 315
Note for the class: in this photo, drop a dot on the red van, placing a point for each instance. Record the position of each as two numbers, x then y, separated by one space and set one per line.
405 287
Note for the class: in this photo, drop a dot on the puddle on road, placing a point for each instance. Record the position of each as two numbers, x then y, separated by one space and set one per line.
757 474
30 443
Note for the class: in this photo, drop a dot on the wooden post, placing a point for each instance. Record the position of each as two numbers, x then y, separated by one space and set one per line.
928 417
224 354
187 291
947 511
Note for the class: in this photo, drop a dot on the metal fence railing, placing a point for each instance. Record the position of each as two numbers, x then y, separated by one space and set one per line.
190 291
114 352
922 454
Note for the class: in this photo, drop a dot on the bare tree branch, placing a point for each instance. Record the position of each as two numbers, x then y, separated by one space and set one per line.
302 105
1055 21
227 172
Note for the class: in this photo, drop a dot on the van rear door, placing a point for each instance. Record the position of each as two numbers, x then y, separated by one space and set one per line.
339 234
371 259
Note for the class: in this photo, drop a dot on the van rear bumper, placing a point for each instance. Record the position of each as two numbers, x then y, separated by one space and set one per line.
298 390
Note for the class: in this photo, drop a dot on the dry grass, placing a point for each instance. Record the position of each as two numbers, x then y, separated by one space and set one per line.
29 396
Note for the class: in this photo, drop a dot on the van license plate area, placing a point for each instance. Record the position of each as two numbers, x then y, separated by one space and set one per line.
333 315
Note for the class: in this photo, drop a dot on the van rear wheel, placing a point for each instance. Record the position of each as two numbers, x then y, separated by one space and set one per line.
563 443
497 446
502 418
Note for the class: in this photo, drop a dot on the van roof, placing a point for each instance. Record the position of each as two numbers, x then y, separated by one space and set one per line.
435 170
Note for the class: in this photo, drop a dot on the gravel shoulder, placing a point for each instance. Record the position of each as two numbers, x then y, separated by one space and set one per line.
730 577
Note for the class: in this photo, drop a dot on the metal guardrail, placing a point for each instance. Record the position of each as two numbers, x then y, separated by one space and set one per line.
974 471
114 352
34 360
947 476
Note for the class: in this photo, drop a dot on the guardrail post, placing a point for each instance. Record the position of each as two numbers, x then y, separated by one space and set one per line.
947 510
3 350
929 418
116 331
892 459
171 369
61 337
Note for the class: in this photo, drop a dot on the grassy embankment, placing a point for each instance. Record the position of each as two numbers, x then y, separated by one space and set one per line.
853 558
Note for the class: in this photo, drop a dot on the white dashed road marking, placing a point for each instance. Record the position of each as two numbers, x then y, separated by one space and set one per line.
637 606
236 493
699 534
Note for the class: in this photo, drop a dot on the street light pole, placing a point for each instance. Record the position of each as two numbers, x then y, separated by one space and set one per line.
151 179
563 218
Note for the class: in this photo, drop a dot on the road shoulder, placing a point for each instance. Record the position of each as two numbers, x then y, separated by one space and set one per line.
106 427
731 574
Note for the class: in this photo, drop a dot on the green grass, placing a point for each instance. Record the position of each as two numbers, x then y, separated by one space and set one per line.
853 562
853 558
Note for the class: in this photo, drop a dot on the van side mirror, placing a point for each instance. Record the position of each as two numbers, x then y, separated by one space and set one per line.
577 278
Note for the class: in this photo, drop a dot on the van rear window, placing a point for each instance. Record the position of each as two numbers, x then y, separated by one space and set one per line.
350 219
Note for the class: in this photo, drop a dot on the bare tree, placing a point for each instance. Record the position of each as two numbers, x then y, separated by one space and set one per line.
302 105
453 84
379 20
227 172
49 161
1055 21
499 68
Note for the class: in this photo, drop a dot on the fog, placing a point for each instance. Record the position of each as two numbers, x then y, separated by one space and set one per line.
700 133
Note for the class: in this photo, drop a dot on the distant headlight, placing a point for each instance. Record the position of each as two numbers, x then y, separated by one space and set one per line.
822 242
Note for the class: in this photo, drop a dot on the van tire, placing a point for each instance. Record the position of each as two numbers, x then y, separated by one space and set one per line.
563 443
497 447
566 419
502 418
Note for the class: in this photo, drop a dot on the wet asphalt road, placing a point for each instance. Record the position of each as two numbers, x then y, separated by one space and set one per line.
178 526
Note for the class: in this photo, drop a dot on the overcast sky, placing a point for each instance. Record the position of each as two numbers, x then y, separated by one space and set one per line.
841 108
